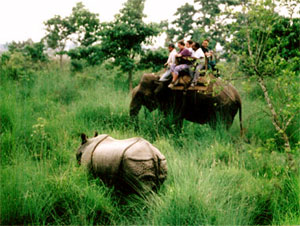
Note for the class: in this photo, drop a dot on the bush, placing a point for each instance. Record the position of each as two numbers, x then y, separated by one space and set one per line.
16 66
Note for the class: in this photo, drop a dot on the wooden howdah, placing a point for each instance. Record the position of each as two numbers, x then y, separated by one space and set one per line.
204 83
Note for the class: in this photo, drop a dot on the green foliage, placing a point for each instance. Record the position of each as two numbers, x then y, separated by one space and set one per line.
122 39
274 40
54 199
183 25
21 59
58 33
80 27
16 66
285 37
154 59
204 19
34 50
269 51
86 56
86 25
214 176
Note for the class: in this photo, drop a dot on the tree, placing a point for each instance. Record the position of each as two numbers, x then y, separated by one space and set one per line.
213 19
268 50
206 19
183 24
81 27
122 39
86 25
58 33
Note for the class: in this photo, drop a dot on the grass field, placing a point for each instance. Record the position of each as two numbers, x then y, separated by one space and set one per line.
214 176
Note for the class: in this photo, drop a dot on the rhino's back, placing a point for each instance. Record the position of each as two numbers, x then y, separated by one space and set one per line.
107 156
133 157
145 162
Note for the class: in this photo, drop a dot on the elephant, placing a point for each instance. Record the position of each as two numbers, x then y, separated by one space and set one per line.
205 104
132 165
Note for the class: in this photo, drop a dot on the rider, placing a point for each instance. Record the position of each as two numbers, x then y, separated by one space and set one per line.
198 54
183 62
209 54
189 45
170 63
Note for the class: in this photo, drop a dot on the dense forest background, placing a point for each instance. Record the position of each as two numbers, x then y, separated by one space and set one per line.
51 93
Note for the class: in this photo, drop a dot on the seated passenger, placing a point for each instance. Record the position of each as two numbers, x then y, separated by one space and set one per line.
198 54
183 62
189 45
209 54
171 61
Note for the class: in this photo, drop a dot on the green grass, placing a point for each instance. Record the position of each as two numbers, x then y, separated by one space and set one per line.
214 176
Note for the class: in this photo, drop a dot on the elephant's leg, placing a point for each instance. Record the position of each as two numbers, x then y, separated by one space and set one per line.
228 123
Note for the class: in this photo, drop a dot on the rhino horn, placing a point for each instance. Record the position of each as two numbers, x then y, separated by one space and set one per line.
83 138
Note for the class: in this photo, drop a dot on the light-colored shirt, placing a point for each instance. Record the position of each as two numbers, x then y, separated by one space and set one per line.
191 50
171 59
198 53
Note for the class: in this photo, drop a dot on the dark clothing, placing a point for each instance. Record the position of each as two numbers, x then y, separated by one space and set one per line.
211 62
205 50
184 53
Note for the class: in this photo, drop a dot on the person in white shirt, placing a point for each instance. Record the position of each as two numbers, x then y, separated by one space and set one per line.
198 54
189 45
170 63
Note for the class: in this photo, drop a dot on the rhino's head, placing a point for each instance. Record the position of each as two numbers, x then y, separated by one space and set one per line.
82 148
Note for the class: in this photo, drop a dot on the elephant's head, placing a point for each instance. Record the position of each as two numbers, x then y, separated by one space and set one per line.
143 94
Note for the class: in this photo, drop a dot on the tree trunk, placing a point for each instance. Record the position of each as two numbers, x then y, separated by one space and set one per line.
61 61
130 80
280 129
275 120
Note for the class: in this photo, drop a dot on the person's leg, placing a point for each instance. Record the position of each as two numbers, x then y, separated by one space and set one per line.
175 76
166 76
175 73
197 74
179 68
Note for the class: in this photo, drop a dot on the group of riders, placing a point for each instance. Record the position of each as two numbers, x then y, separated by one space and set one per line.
191 57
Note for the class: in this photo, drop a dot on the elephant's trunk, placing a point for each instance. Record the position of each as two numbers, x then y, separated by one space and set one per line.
135 104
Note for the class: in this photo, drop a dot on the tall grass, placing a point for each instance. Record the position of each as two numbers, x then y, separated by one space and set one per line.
214 176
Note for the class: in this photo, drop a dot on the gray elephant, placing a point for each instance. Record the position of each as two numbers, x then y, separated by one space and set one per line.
212 101
130 165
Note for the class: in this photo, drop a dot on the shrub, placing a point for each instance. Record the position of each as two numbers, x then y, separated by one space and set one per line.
16 66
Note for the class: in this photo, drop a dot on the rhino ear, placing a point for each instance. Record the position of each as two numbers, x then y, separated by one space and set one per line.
96 133
83 138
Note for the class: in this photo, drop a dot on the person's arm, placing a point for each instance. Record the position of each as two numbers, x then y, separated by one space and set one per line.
169 60
173 56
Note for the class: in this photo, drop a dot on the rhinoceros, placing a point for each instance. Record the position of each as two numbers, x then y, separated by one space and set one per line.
130 165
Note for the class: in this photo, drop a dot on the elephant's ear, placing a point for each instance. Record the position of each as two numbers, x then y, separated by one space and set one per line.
83 138
96 134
